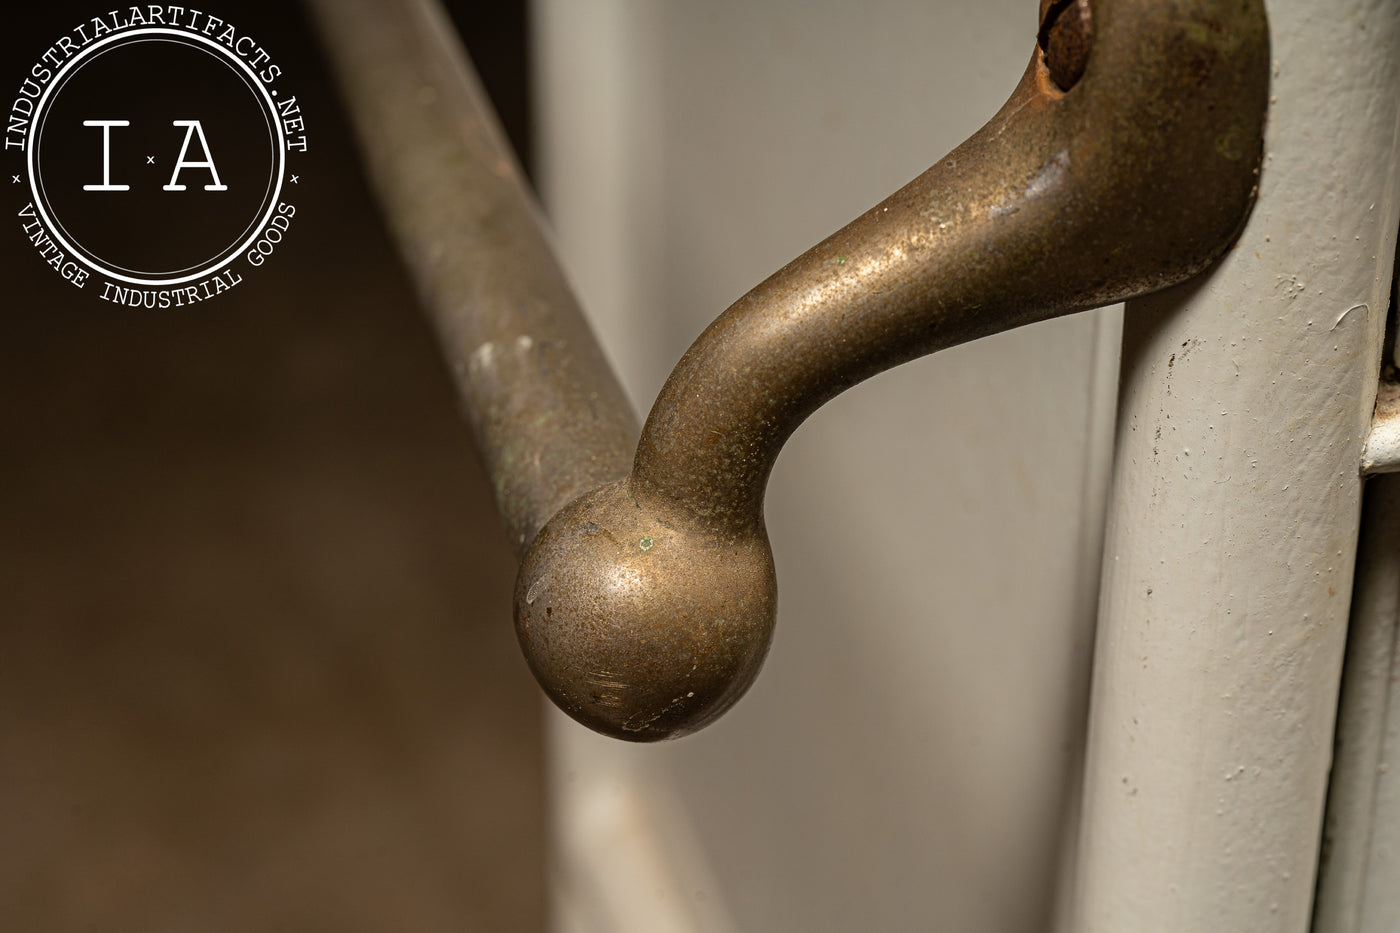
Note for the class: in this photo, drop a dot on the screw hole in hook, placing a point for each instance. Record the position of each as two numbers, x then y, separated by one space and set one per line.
1065 38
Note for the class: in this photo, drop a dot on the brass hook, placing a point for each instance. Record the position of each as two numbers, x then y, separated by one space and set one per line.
646 607
1125 161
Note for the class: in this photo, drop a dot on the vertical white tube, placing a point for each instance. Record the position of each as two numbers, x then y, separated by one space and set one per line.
1359 880
1244 402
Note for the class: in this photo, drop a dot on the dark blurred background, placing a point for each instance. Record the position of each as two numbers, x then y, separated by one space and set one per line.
256 665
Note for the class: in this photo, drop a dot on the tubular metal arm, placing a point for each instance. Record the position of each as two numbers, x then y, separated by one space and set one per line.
646 604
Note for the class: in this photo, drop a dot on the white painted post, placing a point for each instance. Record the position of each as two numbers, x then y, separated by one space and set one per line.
1244 404
1359 880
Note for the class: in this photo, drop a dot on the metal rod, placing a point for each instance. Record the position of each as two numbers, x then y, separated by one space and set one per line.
1382 451
549 416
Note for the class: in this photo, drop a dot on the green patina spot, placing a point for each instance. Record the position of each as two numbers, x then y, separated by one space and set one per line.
1198 33
645 544
840 260
1234 144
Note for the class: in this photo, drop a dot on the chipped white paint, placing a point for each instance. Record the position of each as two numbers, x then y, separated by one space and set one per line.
1234 511
1382 454
482 358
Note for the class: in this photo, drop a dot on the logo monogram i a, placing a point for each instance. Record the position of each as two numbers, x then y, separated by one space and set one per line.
193 129
158 159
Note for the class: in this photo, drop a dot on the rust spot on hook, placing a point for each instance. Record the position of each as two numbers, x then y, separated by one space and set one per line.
1066 38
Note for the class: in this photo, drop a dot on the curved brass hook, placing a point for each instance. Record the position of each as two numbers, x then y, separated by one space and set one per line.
646 607
1124 161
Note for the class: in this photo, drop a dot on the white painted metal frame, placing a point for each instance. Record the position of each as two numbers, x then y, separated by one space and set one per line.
1359 876
1245 402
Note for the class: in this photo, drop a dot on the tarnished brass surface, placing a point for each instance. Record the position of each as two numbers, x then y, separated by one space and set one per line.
549 417
645 608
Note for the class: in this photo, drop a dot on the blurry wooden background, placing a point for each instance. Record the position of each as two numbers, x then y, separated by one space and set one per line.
256 665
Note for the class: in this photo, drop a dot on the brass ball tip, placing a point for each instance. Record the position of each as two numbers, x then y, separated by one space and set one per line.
637 623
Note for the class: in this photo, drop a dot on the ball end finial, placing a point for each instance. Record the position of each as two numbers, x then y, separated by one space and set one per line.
639 624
